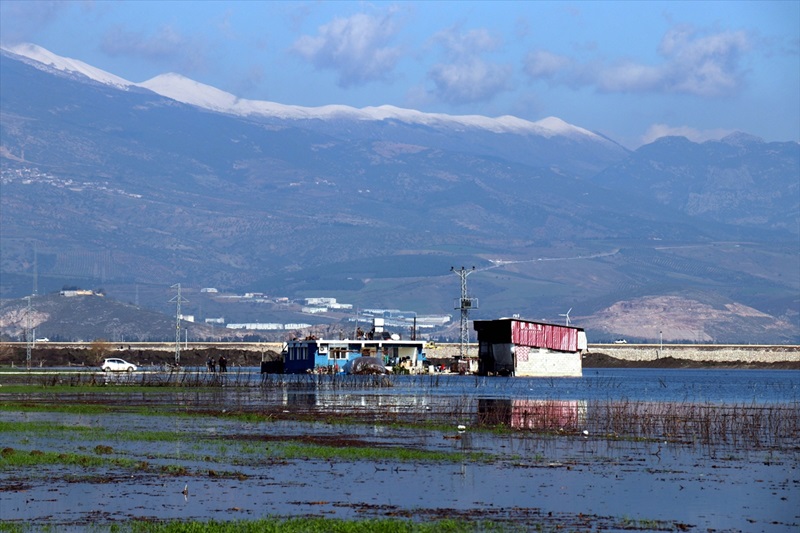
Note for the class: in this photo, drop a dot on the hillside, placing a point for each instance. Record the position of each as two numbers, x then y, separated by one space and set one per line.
133 191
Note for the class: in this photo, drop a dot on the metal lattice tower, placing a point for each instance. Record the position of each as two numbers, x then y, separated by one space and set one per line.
465 303
35 270
177 299
28 335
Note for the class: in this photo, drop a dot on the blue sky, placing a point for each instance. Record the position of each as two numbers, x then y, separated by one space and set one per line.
631 70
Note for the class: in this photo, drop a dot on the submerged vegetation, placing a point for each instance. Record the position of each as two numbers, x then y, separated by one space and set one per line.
298 525
739 425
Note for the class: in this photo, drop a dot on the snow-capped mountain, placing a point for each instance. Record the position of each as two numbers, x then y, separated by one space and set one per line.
42 57
192 92
188 91
133 187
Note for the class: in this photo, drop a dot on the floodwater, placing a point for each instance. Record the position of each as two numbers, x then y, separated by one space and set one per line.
566 461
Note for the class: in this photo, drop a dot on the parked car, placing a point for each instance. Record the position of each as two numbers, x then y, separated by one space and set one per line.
117 365
620 341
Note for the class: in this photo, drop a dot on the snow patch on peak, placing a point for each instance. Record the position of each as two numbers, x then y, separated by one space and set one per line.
191 92
188 91
559 127
66 64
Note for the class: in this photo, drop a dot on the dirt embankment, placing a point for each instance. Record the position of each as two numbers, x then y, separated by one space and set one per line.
53 357
601 360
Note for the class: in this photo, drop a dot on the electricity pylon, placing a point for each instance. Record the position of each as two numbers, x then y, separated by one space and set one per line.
465 303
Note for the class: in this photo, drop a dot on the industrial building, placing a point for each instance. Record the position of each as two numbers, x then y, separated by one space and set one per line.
516 347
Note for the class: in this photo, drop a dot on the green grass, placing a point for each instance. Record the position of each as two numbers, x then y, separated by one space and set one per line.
10 457
314 525
290 525
75 409
292 450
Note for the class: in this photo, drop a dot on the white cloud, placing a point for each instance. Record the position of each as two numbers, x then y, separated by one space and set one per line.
166 45
544 64
21 20
656 131
474 80
465 76
459 45
694 62
356 47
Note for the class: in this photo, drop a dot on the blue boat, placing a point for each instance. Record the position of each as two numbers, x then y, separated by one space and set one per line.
331 356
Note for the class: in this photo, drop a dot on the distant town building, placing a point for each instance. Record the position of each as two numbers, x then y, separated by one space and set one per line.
432 321
256 326
220 320
296 325
208 289
320 301
77 292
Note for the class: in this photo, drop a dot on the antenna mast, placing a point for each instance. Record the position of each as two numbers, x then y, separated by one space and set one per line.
465 303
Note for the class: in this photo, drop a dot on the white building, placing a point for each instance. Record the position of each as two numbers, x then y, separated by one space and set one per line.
320 301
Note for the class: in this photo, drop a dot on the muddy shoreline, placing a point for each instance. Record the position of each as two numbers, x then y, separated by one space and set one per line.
601 360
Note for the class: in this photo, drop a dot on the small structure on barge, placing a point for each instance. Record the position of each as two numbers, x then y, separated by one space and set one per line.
332 356
516 347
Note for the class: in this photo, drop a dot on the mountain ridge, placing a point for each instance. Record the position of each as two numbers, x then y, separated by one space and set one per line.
135 192
188 91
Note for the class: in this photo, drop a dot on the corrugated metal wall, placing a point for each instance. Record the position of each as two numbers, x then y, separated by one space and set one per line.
548 336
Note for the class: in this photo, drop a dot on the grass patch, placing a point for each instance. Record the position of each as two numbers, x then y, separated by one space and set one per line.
74 409
11 458
314 525
293 450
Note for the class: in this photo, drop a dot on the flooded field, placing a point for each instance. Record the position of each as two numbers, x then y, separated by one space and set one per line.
681 450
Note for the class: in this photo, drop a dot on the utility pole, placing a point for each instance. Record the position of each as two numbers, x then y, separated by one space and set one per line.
465 303
177 299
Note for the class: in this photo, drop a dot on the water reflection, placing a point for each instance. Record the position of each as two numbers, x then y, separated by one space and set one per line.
532 414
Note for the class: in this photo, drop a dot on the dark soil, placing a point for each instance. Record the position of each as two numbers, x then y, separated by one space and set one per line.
601 360
93 357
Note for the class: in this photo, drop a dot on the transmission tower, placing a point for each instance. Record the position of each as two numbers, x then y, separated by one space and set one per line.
465 303
35 270
177 299
28 335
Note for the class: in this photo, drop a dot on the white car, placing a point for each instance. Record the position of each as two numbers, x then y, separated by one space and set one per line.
117 365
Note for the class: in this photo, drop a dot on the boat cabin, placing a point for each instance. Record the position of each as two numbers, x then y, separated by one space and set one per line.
331 356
